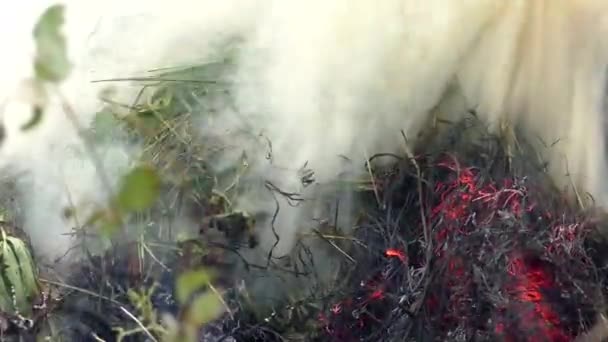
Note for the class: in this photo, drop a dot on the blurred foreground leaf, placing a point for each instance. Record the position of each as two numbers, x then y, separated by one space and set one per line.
200 307
140 189
204 308
190 282
51 63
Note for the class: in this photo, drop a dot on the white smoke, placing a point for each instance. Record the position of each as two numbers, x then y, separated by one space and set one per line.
106 40
326 81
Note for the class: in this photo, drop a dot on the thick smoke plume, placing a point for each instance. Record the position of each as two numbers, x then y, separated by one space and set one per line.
323 86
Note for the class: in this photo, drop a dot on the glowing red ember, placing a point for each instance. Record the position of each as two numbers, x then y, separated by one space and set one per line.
395 253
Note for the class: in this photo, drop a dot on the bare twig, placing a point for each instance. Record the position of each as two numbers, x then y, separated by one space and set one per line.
139 323
81 290
381 203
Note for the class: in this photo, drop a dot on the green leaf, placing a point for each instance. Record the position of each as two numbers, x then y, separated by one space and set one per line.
140 189
18 276
189 282
204 308
51 63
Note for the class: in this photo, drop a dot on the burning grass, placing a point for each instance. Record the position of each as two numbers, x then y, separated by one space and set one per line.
464 244
461 242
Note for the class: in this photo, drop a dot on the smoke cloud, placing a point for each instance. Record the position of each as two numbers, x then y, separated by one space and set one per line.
320 85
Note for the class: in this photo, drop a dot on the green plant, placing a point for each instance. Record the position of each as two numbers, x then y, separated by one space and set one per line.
18 283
